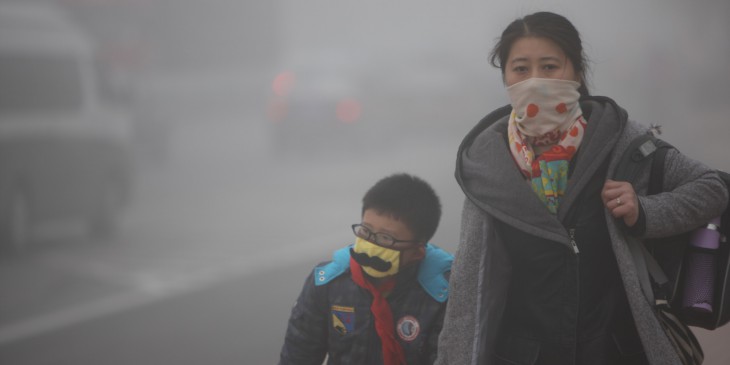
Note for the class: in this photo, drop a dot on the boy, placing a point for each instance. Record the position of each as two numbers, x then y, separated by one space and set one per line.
380 300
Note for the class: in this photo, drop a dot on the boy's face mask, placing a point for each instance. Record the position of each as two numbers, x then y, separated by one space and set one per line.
376 261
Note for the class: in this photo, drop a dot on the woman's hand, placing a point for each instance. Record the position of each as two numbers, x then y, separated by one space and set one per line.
620 199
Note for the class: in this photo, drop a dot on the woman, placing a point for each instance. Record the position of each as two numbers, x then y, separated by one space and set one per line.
543 274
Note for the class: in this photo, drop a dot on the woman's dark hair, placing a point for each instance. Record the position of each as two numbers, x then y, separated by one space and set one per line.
545 25
408 199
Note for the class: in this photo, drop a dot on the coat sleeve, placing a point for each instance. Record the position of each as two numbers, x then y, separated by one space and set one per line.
306 334
693 194
479 276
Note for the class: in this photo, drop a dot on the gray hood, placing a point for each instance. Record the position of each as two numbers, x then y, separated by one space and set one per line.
514 202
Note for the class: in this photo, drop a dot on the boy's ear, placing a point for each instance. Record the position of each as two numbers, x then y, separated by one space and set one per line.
420 252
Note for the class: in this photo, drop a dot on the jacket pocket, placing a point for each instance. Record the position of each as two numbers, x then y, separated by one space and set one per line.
517 350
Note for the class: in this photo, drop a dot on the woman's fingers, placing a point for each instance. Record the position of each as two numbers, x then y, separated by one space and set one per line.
620 199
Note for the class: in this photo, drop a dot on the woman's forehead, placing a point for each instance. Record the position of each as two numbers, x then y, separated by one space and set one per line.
535 48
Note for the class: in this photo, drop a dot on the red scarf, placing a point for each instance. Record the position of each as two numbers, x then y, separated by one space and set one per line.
392 351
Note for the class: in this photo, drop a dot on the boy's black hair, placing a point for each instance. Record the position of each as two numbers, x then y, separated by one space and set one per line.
409 199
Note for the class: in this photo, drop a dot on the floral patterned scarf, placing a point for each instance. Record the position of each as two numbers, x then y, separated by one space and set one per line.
548 172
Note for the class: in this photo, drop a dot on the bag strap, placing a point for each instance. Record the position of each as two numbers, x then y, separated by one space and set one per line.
659 279
656 177
656 186
641 268
636 158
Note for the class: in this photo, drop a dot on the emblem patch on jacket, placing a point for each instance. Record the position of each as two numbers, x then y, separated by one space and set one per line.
408 328
343 319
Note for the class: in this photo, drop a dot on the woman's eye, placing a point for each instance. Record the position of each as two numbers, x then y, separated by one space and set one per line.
520 69
550 67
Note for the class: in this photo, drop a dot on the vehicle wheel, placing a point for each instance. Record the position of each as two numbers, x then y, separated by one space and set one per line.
15 223
105 216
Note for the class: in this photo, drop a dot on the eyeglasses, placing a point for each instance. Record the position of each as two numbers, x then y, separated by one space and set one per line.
382 239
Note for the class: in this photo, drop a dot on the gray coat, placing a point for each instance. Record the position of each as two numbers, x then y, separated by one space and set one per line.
496 190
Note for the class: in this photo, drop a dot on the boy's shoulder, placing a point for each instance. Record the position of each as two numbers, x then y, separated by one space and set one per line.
327 271
433 272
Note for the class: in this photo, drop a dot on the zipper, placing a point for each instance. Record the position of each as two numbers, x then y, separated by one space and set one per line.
571 232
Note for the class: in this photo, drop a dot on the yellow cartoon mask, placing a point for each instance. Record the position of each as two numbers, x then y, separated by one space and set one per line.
376 261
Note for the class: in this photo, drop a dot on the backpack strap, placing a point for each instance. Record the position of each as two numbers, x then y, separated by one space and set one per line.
646 151
635 158
656 177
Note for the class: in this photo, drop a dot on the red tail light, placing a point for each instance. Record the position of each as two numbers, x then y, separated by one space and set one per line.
283 83
348 111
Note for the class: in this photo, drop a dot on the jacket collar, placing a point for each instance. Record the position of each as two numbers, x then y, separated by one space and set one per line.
431 274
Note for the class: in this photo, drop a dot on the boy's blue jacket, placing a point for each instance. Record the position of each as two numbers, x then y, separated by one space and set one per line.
332 314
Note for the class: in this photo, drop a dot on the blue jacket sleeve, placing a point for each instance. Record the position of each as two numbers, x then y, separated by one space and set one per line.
306 334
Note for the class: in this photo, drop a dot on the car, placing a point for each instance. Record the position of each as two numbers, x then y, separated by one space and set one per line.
63 155
315 106
348 103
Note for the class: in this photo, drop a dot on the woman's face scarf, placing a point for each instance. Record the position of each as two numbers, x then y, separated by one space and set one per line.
542 106
546 117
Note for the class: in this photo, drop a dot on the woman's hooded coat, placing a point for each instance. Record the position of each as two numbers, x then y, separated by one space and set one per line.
496 191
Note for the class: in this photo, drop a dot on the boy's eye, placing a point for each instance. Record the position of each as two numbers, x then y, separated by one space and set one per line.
363 232
384 239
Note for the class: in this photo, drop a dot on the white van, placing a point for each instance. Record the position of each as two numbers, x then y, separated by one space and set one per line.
62 156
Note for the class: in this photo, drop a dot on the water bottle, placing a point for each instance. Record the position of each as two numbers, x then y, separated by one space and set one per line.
699 282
